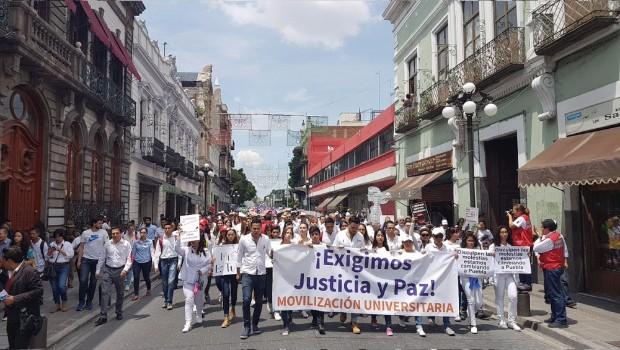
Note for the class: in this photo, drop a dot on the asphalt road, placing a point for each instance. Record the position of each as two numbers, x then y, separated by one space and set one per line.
147 326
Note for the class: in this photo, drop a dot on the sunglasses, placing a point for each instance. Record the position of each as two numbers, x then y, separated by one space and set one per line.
424 234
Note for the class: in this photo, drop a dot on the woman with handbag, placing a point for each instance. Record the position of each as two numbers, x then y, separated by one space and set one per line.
196 266
59 256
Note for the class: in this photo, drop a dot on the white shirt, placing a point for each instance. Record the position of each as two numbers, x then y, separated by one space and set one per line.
344 240
56 256
168 244
192 263
432 248
402 229
39 257
298 240
251 254
520 222
116 255
395 243
76 243
93 243
328 238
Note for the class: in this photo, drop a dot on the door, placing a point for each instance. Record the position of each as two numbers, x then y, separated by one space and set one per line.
20 174
502 181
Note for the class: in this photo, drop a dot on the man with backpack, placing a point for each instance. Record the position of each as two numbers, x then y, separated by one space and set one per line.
166 255
39 247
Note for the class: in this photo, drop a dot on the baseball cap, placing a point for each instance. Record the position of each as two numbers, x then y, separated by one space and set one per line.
437 231
444 222
407 238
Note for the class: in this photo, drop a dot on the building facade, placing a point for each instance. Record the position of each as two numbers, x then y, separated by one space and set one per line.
163 175
543 63
65 110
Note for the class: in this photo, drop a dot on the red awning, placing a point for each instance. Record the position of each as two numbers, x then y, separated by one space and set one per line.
71 5
95 25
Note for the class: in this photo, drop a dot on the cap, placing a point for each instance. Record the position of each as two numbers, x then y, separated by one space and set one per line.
242 215
444 222
407 238
302 214
437 231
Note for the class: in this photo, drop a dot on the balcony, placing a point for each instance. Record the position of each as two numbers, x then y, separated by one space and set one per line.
433 100
406 118
173 160
558 23
82 211
153 150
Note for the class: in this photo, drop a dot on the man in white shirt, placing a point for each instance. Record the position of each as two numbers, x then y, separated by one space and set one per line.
251 272
39 247
112 268
329 232
438 247
166 259
350 238
402 230
393 240
92 242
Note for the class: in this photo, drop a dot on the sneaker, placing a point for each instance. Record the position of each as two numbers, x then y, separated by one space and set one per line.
449 331
276 316
126 288
355 328
304 314
256 330
198 319
401 322
389 332
558 325
186 328
515 326
420 330
169 307
458 318
100 321
245 333
164 305
285 331
268 308
431 321
474 330
503 325
135 298
321 328
252 303
549 320
89 306
80 307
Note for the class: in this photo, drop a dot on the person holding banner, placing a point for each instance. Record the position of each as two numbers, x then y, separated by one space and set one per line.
367 240
251 271
471 285
505 283
228 283
302 237
318 317
522 236
380 245
436 247
329 231
196 265
287 316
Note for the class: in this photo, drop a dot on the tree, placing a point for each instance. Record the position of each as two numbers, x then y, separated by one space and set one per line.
240 183
295 166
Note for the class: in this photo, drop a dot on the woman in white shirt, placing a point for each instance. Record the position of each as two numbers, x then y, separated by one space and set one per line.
59 254
196 266
380 245
303 237
505 282
368 242
471 285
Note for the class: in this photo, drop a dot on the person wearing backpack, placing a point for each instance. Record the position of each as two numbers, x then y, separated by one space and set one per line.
59 255
166 255
39 247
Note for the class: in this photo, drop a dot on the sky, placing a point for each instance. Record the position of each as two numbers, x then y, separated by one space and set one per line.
302 57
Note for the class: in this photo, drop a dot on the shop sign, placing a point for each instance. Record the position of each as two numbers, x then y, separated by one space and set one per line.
171 189
442 161
593 117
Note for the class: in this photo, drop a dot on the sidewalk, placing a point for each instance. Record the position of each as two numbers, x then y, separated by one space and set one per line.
593 324
59 324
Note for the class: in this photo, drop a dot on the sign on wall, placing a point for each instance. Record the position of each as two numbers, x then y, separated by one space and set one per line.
442 161
593 117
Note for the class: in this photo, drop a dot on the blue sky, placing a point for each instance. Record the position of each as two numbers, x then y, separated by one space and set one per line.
281 56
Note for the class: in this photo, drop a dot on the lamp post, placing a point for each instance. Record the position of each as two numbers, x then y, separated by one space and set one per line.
207 172
308 187
467 106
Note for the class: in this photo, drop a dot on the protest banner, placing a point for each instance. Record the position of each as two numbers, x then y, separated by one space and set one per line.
475 262
510 259
353 281
275 244
225 259
190 229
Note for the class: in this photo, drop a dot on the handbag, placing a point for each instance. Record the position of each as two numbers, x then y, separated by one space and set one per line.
29 323
49 272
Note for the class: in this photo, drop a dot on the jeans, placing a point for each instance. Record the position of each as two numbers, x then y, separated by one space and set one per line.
129 278
462 298
446 321
318 317
249 284
287 317
88 281
228 286
145 268
168 273
111 282
567 297
207 288
505 282
59 283
553 284
269 285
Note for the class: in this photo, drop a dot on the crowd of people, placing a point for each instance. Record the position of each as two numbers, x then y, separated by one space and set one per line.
114 259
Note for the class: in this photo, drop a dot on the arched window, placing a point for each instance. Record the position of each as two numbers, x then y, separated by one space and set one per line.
97 170
74 164
116 172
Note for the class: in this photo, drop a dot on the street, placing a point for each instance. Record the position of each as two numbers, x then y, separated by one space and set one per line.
147 326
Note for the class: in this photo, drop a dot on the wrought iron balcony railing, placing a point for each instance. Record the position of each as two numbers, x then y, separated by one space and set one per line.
433 99
560 22
80 212
406 117
173 160
153 150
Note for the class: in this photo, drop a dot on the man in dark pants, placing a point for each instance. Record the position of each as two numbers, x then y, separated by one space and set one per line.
92 242
251 271
24 291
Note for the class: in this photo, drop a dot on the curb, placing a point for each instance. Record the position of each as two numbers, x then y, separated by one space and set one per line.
84 320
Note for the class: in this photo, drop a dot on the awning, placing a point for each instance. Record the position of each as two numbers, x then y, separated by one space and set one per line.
411 187
71 5
126 57
95 25
323 204
334 204
196 198
586 159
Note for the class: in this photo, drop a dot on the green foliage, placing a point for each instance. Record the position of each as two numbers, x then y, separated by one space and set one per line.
240 183
295 167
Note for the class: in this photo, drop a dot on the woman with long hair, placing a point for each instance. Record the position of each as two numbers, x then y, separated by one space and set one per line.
228 283
380 245
471 285
196 265
25 245
142 251
368 243
505 283
303 237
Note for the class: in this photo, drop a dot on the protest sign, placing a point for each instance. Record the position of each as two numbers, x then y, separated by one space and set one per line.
353 281
475 262
225 259
511 259
275 244
471 219
189 225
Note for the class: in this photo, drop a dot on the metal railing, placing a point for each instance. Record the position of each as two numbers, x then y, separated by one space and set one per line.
4 15
80 212
556 20
406 117
153 150
173 160
433 99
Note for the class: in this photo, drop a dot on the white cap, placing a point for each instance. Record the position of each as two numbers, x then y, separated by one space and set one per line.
407 238
242 215
438 231
444 222
302 214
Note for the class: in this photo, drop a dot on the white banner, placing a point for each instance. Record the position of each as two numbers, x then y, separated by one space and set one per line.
475 262
191 230
225 259
353 281
275 244
512 260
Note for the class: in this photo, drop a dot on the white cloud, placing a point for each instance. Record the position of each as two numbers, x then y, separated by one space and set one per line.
305 23
299 95
250 158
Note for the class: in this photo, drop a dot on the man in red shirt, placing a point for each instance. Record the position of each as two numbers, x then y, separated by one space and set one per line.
551 250
521 228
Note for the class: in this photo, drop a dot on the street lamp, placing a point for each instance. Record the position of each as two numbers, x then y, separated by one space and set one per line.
308 187
207 172
467 106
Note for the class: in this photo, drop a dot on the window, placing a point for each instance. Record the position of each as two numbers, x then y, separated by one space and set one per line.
373 147
471 26
116 173
43 9
442 53
505 15
413 74
386 139
74 164
96 177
